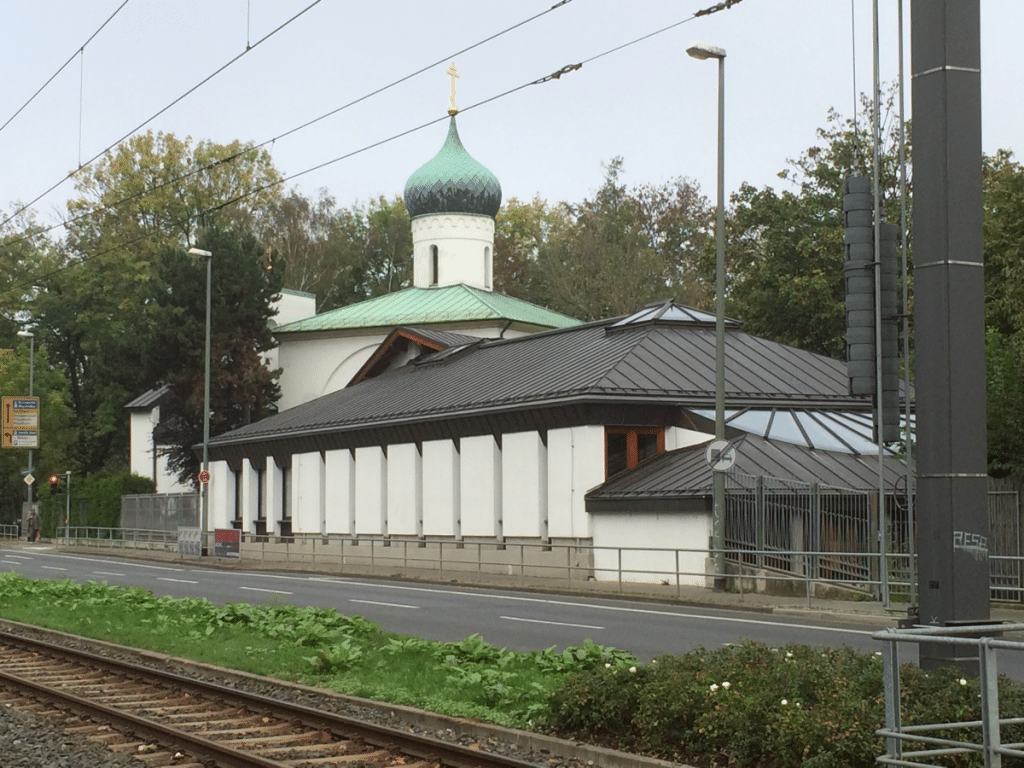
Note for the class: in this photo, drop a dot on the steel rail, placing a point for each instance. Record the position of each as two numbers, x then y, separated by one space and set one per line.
382 736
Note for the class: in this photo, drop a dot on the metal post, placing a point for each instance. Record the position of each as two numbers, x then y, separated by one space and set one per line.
989 679
704 51
204 487
719 475
31 393
891 677
949 325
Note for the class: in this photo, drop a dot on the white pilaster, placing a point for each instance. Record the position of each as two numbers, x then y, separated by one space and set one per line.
524 485
404 496
371 490
308 493
480 483
340 492
441 482
575 465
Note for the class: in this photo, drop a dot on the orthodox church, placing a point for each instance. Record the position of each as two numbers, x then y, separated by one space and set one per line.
448 412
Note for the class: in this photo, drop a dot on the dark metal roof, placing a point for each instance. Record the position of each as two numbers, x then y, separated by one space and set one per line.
147 400
684 473
661 363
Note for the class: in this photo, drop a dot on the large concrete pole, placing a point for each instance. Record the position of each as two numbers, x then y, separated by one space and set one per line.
949 323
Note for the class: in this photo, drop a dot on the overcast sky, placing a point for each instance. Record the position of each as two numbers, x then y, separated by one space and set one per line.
788 62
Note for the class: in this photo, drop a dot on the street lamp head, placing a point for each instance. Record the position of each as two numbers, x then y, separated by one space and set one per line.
199 252
26 334
704 51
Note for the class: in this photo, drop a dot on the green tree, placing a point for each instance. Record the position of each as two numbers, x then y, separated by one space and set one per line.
98 314
242 388
1003 227
785 249
625 248
521 230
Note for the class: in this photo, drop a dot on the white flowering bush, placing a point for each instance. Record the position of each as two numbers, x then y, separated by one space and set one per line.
749 706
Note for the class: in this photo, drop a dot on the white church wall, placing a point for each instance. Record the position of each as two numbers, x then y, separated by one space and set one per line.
274 498
371 490
249 489
441 486
221 490
575 465
339 492
480 486
616 532
308 493
313 366
463 244
524 497
677 437
293 306
404 494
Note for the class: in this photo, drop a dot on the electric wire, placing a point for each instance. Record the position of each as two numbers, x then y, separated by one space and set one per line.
556 75
853 70
152 117
64 65
279 136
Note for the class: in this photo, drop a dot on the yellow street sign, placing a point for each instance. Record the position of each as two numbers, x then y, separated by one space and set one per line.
20 422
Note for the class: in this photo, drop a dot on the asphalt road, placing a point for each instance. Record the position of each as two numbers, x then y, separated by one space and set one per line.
506 618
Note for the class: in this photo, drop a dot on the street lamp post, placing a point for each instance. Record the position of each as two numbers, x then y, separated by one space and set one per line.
31 392
205 487
704 51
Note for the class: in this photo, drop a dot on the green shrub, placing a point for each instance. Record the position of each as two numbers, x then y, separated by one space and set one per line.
749 705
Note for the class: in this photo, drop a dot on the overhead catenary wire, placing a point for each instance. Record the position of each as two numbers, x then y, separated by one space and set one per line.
556 75
155 115
62 67
279 136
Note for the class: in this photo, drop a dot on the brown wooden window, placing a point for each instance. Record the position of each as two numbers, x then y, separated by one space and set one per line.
625 447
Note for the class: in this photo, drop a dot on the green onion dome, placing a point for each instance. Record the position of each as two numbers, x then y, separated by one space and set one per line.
452 182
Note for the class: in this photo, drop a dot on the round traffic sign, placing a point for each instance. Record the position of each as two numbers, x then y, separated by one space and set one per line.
204 476
720 455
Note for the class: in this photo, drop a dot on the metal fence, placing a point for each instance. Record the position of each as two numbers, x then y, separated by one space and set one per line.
773 524
159 511
932 744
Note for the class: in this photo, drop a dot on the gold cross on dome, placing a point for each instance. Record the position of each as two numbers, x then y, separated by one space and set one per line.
453 73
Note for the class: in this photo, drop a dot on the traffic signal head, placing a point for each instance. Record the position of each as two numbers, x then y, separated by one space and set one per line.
55 486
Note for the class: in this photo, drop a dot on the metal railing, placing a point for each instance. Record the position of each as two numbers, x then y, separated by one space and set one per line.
576 564
935 740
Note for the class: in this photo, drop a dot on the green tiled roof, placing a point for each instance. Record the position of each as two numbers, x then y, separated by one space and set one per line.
452 182
423 306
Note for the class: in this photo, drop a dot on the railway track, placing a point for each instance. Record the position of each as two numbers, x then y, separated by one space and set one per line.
169 719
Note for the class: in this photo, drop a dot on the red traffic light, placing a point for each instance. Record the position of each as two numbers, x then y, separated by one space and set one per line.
54 480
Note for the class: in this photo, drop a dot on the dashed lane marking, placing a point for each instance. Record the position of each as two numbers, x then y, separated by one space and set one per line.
389 605
555 623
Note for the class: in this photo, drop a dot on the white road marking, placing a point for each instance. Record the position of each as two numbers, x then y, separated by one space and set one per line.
389 605
19 557
614 608
107 573
118 562
555 623
52 568
177 581
272 591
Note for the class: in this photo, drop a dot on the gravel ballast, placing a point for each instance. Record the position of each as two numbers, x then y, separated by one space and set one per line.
28 740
